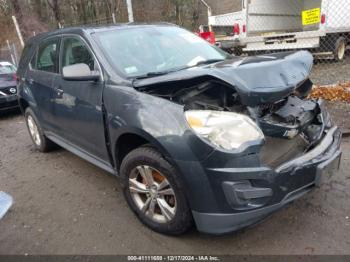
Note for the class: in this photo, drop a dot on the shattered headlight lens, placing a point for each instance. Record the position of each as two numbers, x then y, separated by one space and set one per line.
225 130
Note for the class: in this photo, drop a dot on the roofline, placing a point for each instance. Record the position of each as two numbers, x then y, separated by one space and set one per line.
92 29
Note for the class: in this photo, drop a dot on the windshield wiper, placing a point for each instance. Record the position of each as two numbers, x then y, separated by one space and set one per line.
208 62
160 73
204 62
152 74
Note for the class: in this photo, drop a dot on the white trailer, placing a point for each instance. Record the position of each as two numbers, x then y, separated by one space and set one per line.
322 26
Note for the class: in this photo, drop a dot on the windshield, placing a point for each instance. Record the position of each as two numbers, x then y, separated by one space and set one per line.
7 72
136 52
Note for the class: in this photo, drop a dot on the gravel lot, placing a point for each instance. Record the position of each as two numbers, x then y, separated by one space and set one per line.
64 205
327 72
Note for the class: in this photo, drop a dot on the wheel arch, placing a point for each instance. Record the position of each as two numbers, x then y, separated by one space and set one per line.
26 99
23 104
130 139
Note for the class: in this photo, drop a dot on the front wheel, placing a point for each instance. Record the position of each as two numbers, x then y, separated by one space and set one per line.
154 192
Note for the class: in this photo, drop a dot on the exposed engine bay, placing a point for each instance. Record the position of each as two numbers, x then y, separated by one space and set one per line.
294 123
285 118
272 90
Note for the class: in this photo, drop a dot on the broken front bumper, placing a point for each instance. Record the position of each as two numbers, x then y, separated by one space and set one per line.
255 193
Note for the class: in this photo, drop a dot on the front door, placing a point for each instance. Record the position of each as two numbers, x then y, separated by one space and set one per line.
78 104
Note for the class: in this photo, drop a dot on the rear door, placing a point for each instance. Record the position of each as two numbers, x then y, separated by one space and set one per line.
78 104
42 72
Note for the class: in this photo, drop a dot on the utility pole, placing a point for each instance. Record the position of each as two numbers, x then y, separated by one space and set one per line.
11 53
130 11
18 31
15 53
210 13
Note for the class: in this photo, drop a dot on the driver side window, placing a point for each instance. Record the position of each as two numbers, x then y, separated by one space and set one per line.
76 52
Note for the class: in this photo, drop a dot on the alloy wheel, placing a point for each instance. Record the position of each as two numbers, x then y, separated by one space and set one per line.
33 130
152 194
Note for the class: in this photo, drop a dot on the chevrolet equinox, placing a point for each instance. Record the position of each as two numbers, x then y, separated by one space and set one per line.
196 135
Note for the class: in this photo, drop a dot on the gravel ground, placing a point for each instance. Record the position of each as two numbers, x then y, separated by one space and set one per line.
64 205
341 115
327 72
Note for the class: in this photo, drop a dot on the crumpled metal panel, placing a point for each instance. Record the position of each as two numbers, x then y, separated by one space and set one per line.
257 80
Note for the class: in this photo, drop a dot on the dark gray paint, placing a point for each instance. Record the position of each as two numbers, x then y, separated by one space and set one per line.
89 118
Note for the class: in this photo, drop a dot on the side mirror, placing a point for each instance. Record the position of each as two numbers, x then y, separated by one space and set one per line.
79 72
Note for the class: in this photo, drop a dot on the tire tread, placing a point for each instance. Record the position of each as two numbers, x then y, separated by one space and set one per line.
183 221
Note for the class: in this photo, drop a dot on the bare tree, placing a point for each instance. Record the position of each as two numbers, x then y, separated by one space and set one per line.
54 5
42 15
19 15
27 21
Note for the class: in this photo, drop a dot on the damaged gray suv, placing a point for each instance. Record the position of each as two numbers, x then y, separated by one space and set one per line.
196 136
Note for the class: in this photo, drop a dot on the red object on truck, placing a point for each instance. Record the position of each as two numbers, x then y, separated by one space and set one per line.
236 29
208 36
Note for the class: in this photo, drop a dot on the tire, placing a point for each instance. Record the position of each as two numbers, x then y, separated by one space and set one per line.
340 49
238 51
150 160
40 141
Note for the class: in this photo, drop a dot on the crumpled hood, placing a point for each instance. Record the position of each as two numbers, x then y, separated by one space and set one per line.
257 80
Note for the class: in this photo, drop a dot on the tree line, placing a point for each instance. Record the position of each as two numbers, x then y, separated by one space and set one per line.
35 16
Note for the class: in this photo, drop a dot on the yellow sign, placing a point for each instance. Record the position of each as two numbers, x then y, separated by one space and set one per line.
312 16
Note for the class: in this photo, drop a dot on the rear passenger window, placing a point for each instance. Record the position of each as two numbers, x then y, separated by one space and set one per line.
47 57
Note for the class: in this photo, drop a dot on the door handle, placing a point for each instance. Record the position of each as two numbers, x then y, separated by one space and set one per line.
60 92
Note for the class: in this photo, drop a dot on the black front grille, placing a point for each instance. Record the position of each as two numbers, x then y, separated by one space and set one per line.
7 91
277 151
8 105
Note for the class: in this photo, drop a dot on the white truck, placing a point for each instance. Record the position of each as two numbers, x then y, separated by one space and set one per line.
321 26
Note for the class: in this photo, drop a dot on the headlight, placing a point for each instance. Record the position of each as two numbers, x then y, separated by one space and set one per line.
224 129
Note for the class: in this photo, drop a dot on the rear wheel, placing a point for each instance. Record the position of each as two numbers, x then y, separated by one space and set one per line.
340 49
154 192
40 141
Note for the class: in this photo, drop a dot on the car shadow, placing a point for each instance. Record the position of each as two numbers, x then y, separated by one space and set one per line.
9 114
